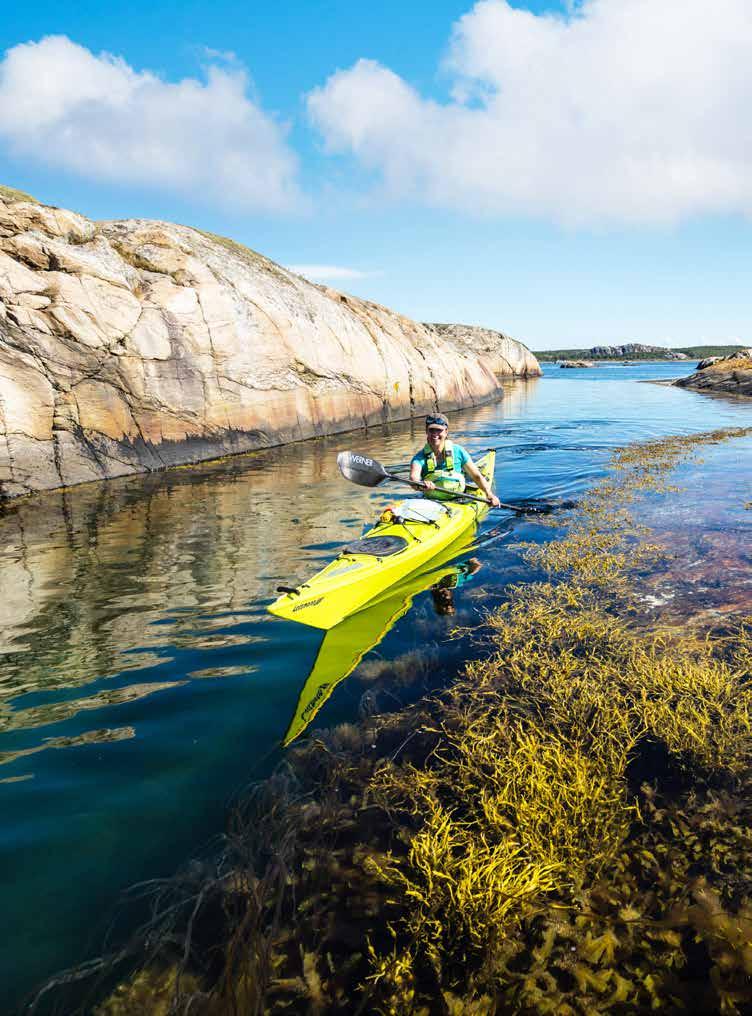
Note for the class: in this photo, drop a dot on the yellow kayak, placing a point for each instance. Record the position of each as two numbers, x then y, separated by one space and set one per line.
344 646
392 549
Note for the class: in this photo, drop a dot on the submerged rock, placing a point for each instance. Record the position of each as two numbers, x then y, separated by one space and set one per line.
129 346
731 375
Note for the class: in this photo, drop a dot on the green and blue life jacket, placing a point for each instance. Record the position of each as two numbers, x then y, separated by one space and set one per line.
447 477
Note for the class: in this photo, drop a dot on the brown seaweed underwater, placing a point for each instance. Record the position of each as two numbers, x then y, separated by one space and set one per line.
566 829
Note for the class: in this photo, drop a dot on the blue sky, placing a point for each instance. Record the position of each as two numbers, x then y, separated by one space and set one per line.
570 174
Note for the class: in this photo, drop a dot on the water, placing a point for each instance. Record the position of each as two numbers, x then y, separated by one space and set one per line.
142 682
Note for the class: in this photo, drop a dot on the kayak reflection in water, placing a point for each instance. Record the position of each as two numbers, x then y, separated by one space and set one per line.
345 645
442 465
443 592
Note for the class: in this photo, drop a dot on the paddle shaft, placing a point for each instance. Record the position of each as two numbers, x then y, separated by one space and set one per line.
464 497
367 472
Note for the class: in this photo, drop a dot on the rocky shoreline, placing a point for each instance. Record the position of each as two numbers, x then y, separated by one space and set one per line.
727 375
131 346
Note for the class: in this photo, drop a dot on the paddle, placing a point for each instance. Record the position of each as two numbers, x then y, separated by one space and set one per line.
367 472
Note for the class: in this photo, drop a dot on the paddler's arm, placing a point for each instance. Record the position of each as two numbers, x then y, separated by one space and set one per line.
477 477
416 476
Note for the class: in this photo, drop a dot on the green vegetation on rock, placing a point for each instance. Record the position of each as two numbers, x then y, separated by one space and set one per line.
693 352
701 352
232 245
11 194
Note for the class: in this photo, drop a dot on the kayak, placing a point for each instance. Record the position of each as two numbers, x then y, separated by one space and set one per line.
406 537
344 646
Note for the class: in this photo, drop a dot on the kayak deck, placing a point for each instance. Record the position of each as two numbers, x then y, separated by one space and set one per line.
388 552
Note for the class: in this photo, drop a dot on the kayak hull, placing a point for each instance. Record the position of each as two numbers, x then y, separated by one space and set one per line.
345 645
357 576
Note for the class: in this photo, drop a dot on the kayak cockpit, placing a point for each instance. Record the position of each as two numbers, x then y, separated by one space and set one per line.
376 546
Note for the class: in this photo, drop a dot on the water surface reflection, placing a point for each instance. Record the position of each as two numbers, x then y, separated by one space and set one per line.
141 680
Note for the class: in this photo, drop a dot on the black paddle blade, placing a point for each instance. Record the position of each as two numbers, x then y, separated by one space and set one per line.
360 469
540 506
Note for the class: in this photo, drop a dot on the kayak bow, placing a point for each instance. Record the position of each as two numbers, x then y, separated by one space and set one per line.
344 646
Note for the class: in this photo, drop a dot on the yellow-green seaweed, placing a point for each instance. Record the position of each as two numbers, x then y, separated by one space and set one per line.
566 829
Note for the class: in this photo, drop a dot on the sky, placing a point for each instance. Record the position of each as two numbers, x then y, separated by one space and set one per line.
571 173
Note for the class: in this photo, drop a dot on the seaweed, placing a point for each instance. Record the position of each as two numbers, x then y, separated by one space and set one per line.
565 828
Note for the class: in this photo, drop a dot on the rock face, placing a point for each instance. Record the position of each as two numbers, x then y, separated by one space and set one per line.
731 375
130 346
636 349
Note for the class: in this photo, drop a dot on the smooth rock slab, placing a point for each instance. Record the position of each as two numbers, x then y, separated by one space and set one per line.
129 346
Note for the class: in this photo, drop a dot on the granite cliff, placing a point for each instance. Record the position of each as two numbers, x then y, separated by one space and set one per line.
130 346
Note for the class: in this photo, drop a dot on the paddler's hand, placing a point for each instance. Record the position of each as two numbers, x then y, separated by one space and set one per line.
429 485
494 501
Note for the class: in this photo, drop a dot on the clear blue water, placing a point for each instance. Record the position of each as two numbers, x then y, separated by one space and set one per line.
142 682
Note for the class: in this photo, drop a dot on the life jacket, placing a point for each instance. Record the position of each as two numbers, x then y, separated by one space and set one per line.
447 478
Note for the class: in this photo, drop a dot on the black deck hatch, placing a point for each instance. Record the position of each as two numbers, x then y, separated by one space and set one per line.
377 546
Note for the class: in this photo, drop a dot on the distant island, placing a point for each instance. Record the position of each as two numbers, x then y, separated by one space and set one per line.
635 351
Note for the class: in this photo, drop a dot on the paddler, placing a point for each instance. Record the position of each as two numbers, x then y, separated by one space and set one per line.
442 465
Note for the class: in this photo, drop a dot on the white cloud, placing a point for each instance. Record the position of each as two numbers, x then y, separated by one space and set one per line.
620 111
329 272
94 115
222 55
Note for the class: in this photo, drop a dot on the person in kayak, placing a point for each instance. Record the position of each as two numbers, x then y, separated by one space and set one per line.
442 465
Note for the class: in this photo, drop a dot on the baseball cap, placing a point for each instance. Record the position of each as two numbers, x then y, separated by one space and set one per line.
437 420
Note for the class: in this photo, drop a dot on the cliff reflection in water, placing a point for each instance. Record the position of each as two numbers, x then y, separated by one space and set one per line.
107 580
99 580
